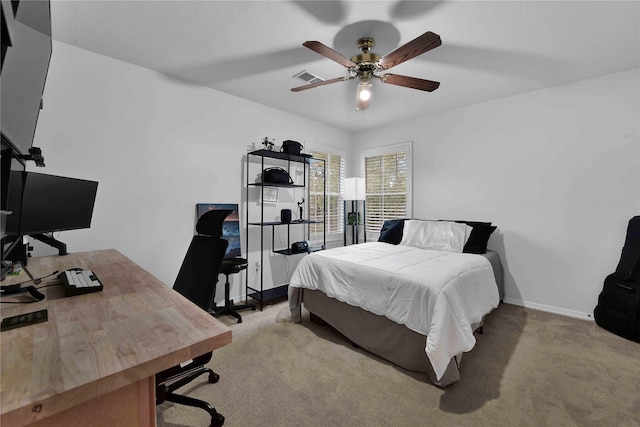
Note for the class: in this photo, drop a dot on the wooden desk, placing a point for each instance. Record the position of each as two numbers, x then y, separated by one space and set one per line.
94 360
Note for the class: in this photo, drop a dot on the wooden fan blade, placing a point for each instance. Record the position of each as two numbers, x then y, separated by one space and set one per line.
326 82
411 82
329 53
415 47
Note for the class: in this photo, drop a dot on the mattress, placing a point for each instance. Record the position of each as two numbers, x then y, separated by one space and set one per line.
438 294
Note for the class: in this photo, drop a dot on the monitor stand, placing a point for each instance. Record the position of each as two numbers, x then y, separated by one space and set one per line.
62 247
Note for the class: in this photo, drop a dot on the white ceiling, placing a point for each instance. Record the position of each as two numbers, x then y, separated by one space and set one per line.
251 49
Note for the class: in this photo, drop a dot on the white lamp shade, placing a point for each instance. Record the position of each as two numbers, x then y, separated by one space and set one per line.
354 189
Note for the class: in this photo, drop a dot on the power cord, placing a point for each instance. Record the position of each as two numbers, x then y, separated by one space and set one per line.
32 290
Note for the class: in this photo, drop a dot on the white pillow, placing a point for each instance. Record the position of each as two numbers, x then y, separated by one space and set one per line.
438 235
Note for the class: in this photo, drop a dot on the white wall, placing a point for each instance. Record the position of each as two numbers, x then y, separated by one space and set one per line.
157 146
557 170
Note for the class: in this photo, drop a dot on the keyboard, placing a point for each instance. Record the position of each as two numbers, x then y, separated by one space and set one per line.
78 282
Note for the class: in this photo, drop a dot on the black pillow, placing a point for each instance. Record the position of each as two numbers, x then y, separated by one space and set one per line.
392 231
479 237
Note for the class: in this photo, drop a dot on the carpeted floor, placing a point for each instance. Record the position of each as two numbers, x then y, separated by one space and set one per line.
529 368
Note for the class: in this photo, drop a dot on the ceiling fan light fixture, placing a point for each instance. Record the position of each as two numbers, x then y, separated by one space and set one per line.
364 90
363 94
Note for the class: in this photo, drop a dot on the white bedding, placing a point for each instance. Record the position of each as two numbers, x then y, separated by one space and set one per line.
435 293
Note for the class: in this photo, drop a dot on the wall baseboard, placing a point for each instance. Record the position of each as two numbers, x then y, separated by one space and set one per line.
535 306
550 309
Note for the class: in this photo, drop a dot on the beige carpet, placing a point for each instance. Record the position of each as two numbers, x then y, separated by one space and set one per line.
529 368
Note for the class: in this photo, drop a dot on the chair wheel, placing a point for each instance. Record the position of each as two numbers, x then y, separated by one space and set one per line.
217 421
213 378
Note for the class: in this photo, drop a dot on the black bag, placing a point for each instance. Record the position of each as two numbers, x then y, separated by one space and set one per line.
276 176
618 308
291 147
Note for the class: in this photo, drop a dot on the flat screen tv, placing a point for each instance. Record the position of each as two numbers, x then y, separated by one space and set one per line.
230 227
26 53
42 203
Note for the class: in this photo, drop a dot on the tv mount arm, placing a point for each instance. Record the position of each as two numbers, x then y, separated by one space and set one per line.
62 247
35 154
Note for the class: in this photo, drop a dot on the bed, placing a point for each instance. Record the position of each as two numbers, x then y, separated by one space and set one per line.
414 299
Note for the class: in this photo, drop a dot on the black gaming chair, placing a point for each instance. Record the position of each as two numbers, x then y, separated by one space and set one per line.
197 281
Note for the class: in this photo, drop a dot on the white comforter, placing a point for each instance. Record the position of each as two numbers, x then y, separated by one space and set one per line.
435 293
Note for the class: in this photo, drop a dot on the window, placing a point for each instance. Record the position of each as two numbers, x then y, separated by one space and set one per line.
334 163
388 184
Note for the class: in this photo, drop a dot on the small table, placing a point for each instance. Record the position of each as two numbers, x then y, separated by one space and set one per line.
232 266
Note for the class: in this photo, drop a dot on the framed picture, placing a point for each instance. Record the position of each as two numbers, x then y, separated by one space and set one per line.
270 195
230 227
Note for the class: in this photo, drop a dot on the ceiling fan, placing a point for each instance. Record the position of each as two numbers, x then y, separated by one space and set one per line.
368 65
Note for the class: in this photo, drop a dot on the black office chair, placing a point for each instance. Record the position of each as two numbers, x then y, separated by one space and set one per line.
197 281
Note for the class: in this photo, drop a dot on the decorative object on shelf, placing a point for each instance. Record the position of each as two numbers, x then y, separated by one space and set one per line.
300 207
269 195
291 147
299 247
351 218
355 191
285 215
276 176
268 145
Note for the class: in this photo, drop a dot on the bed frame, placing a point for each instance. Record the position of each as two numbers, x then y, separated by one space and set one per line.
377 334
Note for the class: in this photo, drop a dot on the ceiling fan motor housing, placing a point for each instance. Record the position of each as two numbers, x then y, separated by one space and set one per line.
365 44
366 62
365 58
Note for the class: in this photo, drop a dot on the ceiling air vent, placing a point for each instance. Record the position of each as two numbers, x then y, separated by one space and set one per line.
307 77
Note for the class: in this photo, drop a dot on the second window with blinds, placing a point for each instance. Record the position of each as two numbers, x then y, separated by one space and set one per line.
387 173
334 162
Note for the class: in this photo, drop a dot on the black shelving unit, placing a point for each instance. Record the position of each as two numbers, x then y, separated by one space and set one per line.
359 222
284 160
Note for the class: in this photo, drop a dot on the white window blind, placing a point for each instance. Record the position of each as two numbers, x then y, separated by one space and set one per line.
334 163
388 178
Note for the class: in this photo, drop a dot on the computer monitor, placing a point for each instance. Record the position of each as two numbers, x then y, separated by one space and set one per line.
42 203
230 227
